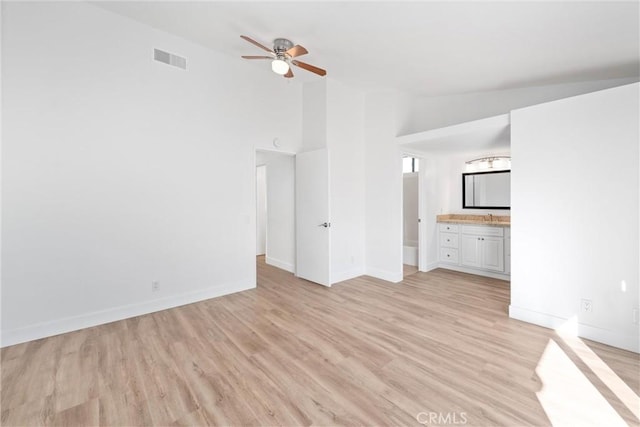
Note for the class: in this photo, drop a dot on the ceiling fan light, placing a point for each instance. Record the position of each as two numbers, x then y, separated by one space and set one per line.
279 66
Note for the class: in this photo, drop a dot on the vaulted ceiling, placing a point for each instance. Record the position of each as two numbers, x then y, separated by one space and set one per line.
427 48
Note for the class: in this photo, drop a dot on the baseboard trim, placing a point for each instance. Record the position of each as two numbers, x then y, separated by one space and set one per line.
287 266
74 323
346 275
430 267
484 273
384 275
605 336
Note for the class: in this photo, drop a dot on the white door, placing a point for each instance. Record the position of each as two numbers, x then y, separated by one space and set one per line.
313 226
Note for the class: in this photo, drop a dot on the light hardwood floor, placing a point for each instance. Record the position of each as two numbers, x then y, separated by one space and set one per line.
364 352
408 270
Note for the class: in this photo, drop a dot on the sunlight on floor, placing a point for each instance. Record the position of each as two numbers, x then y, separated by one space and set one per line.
626 395
567 396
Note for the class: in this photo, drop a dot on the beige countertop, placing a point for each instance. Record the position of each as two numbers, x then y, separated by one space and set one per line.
496 220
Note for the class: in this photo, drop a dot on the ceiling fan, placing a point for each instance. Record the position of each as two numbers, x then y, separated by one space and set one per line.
282 56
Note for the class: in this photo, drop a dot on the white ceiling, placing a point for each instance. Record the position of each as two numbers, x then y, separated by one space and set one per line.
490 134
428 48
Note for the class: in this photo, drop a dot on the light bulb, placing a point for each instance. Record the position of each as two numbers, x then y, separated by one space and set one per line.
279 66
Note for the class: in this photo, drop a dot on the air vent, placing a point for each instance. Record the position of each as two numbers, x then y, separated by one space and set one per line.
170 58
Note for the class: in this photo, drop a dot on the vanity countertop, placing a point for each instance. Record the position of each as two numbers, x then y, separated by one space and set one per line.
495 220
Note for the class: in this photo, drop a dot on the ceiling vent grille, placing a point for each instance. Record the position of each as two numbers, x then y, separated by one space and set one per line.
170 58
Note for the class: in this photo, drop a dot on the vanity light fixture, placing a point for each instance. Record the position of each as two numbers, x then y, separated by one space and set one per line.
489 163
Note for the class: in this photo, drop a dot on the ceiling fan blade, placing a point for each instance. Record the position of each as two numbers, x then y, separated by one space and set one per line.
289 74
297 50
256 57
253 42
313 69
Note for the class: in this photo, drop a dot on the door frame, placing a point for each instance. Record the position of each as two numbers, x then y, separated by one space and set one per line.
266 213
422 208
255 196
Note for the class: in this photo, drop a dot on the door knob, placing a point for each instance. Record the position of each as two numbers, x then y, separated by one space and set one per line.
325 224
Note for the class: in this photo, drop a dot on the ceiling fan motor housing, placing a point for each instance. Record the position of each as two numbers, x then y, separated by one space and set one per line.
281 45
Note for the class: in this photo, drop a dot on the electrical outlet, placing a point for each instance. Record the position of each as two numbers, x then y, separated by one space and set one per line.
636 316
155 286
586 306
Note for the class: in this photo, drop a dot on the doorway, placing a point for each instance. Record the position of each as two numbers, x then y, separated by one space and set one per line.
275 209
410 214
261 210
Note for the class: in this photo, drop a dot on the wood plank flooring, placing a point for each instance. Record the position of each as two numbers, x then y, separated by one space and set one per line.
436 349
408 270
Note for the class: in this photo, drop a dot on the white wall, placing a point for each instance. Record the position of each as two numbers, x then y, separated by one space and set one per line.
383 189
314 115
118 171
575 198
280 221
261 210
345 141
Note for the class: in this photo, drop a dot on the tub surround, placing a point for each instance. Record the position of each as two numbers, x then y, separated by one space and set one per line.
496 220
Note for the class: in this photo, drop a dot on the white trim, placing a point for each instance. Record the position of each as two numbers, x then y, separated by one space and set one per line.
475 271
346 275
394 277
431 266
287 266
87 320
605 336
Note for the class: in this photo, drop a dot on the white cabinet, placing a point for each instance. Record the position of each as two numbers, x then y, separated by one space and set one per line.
470 248
449 243
449 255
482 252
475 247
492 253
482 247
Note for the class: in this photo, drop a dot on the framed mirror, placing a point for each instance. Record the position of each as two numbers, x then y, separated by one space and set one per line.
486 190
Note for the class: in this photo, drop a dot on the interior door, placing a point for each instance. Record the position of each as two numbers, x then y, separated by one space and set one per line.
313 226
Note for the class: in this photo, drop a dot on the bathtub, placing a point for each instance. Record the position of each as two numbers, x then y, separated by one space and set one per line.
410 253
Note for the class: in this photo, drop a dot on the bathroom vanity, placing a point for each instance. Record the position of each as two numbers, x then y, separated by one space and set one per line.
477 244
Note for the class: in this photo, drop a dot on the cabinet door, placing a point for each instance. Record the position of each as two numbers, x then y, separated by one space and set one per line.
470 250
492 253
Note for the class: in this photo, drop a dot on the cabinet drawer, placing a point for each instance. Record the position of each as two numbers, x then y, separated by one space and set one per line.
449 228
448 240
483 230
449 255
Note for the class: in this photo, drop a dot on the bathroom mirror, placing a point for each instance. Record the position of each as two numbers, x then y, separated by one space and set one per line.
486 190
